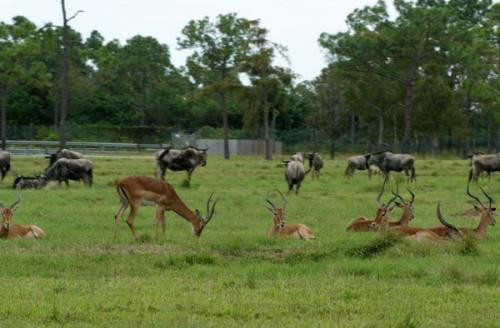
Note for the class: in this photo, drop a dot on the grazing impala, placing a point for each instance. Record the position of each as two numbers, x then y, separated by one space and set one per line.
279 227
11 231
383 210
135 190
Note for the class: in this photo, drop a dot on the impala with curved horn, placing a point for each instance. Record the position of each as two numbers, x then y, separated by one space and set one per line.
280 228
382 210
11 231
407 207
485 213
136 190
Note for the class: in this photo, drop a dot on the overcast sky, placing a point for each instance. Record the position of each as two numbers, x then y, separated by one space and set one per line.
295 24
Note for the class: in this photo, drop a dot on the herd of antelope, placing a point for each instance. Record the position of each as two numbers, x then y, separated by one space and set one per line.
136 190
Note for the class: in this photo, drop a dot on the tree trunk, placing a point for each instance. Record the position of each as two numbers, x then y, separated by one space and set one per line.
380 126
65 87
4 94
56 108
395 131
497 138
267 154
408 111
353 129
222 104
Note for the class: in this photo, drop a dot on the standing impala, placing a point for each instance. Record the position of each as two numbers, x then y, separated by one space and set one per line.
11 231
279 227
136 190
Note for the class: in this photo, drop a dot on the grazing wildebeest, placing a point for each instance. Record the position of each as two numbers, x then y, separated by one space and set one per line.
386 161
359 163
29 182
65 169
484 163
4 163
315 163
63 153
185 159
295 172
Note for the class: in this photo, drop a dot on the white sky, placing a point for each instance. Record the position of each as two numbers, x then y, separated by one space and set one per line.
295 24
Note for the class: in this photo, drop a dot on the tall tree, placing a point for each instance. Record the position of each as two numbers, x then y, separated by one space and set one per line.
65 86
219 49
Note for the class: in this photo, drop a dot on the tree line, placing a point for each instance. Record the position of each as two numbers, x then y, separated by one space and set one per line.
427 76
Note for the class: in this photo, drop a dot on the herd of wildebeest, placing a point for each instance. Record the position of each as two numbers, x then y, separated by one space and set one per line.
65 165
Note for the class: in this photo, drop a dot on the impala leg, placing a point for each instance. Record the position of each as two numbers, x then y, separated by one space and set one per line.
130 219
119 214
159 219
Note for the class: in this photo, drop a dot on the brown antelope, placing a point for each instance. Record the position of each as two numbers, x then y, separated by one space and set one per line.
11 231
136 190
279 227
382 210
448 230
407 207
486 218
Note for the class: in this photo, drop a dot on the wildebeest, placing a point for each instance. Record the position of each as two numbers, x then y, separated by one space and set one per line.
63 153
295 172
4 163
315 163
185 159
359 163
387 161
484 163
22 182
65 169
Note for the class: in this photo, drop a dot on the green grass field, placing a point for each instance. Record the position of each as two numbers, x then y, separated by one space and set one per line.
79 275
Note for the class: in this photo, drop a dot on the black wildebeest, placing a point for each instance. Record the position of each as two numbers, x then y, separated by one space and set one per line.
359 163
386 161
484 163
295 172
315 163
63 153
185 159
4 163
65 169
22 182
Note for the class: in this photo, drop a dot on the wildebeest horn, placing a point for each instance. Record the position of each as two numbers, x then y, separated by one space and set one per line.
380 195
13 206
472 196
443 221
486 194
283 198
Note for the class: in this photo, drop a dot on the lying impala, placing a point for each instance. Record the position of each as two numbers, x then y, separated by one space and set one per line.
486 218
407 207
448 230
279 227
136 190
383 210
11 231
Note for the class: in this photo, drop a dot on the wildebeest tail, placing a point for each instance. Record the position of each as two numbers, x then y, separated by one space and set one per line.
163 153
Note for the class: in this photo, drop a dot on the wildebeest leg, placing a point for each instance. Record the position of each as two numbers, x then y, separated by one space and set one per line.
297 187
413 176
3 171
386 175
369 173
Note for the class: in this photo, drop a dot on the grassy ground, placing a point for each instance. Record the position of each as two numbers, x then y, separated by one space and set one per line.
234 275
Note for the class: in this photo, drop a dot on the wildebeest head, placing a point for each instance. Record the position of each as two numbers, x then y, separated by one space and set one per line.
375 159
196 156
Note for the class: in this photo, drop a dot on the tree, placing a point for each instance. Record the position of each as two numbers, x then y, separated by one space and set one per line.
65 86
19 65
219 49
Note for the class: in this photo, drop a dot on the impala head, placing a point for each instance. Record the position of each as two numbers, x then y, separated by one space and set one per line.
405 206
383 214
8 212
278 212
203 221
485 211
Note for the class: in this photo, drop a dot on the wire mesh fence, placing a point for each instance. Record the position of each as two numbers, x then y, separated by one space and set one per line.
290 140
